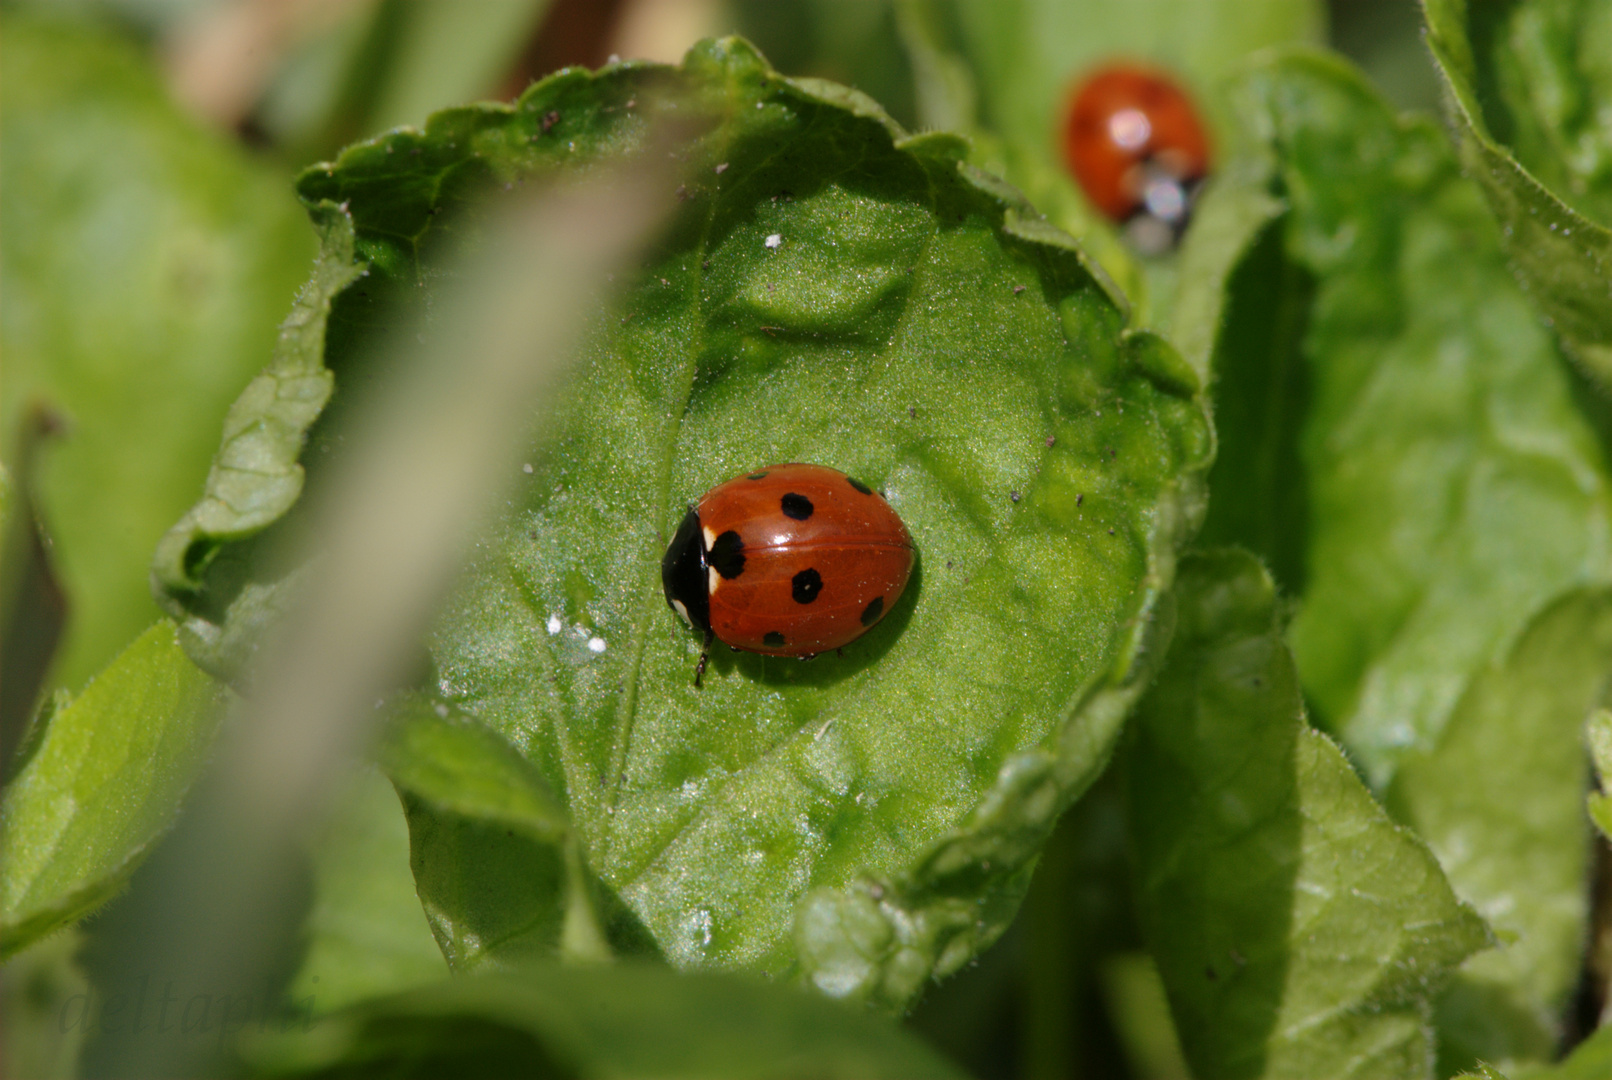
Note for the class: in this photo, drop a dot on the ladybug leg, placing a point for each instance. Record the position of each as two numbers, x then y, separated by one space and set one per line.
705 656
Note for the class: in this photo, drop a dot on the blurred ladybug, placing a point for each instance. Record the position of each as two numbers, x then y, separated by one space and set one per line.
790 560
1136 145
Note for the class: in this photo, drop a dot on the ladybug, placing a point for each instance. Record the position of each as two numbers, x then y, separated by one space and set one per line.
790 560
1135 143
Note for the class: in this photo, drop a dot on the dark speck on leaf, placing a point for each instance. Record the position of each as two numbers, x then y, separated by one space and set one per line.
1112 453
1017 289
1051 440
682 193
912 412
1209 973
1014 495
1110 532
948 561
549 120
1080 499
705 264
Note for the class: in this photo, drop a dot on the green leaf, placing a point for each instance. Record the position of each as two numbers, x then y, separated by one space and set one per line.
103 785
843 293
608 1021
1453 488
222 600
33 606
1529 87
1590 1060
1499 800
1299 931
1242 314
366 933
495 859
1598 734
144 265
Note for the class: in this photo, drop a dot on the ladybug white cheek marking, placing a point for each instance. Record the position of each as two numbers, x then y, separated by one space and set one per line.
677 605
714 580
710 537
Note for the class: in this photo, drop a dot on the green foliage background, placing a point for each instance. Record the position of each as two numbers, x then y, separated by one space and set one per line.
1234 725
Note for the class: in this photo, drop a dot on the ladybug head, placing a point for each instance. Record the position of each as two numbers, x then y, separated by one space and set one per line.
683 573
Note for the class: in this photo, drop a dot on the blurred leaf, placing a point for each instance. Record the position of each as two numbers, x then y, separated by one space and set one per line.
393 63
858 44
1234 214
439 56
611 1021
1499 800
1453 488
144 264
1599 735
1299 931
103 785
33 609
366 933
833 291
1242 314
1530 90
1590 1060
47 1001
1028 56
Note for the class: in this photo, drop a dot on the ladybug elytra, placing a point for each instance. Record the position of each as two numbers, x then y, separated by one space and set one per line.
1134 141
789 560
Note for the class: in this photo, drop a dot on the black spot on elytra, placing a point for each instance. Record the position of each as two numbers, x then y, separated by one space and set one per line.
859 485
796 506
757 476
773 640
727 555
871 613
805 586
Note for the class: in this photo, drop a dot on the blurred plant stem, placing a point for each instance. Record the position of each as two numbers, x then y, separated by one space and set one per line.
392 530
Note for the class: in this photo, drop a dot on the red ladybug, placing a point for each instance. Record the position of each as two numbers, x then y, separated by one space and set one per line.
790 560
1136 145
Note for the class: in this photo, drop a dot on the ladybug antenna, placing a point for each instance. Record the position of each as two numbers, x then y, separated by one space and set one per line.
705 655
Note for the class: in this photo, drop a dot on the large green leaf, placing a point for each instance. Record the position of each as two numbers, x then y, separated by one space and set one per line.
610 1021
834 291
102 784
1500 801
1298 930
1530 90
1453 489
144 265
